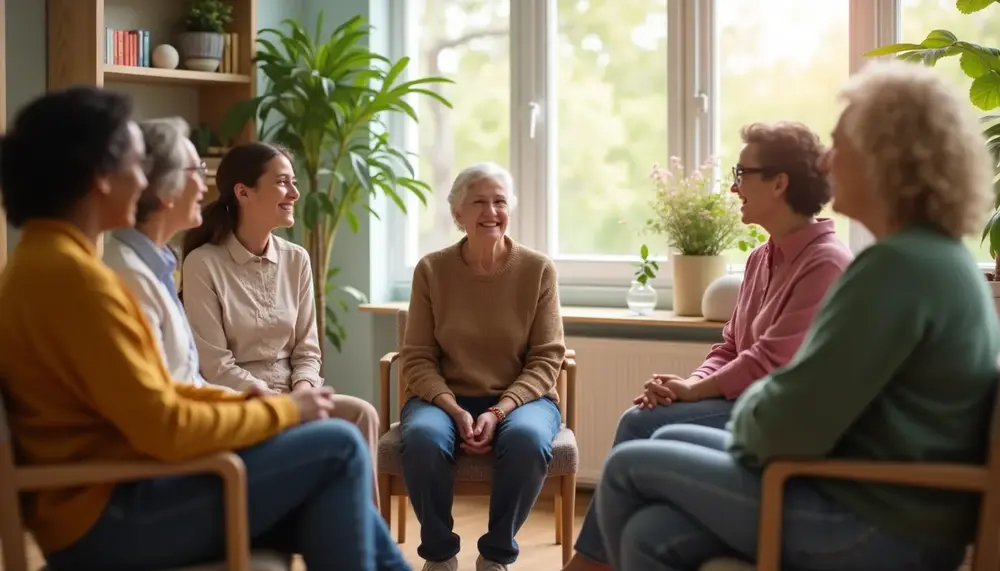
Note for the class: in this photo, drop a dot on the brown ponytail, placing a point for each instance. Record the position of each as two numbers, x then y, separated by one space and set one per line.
243 164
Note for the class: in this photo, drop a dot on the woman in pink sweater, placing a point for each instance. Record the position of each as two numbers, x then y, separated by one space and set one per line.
778 178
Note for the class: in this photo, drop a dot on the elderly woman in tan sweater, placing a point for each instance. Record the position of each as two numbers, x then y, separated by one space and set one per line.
482 350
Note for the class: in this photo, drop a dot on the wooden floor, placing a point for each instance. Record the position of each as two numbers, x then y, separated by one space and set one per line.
536 539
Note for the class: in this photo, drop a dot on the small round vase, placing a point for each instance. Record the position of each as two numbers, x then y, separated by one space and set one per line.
641 298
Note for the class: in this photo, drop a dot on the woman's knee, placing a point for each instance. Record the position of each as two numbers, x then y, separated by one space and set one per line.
331 438
359 411
715 438
524 441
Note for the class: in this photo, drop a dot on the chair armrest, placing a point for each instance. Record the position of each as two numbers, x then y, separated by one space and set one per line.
569 366
227 465
385 393
32 478
948 476
936 475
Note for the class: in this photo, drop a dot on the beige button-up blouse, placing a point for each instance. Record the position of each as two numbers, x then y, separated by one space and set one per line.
253 317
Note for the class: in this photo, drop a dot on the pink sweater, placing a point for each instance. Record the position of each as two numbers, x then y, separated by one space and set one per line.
784 282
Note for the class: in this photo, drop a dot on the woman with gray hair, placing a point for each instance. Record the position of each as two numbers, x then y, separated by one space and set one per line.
898 366
171 203
481 353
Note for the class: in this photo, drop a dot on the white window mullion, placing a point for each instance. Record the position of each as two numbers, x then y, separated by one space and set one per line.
531 114
873 23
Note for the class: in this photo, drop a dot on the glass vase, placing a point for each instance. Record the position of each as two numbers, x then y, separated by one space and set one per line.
641 298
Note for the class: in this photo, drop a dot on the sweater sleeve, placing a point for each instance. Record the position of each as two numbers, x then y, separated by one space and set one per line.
307 357
776 346
867 327
546 345
204 311
113 354
419 357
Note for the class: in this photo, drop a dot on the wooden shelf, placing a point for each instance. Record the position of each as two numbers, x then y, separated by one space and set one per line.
579 314
153 75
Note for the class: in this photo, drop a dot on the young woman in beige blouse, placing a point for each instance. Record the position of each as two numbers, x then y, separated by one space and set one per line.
248 293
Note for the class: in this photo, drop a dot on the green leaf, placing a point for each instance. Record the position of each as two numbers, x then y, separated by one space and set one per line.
985 91
644 251
972 6
893 49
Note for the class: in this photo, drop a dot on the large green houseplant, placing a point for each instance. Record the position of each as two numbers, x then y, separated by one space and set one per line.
982 64
329 101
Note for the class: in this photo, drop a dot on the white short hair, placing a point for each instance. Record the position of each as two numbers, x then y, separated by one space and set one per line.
922 145
474 174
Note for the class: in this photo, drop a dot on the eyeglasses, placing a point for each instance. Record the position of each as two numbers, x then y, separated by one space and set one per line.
740 170
201 169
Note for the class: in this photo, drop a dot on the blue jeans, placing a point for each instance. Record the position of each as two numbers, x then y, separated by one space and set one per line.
676 501
522 448
309 490
640 424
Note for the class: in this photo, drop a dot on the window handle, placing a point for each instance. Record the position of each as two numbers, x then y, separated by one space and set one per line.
534 110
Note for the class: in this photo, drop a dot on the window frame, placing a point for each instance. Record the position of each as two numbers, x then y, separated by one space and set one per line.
692 112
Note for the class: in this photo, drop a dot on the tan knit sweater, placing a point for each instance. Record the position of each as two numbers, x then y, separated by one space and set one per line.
474 335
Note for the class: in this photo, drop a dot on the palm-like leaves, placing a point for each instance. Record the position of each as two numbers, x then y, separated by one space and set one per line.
328 102
982 64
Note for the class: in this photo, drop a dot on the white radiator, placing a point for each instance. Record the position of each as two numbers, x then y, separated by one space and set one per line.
610 373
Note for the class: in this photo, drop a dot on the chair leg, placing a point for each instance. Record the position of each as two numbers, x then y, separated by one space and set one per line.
401 510
568 493
385 498
558 512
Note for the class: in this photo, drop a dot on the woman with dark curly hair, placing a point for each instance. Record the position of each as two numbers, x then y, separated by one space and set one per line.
84 381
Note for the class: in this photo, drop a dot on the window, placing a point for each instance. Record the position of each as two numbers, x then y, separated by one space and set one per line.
761 78
579 98
467 42
918 17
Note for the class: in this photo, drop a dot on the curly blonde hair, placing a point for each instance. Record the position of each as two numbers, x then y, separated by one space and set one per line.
921 145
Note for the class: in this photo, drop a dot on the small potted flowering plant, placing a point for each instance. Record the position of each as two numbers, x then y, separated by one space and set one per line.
700 222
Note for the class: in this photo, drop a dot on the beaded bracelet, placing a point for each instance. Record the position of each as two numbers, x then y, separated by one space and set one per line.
500 414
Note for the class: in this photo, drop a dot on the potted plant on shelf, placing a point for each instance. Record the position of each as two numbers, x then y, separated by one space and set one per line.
982 65
201 42
700 223
329 102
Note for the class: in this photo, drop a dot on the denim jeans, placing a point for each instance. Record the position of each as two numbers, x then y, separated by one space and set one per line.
309 490
640 424
522 448
680 499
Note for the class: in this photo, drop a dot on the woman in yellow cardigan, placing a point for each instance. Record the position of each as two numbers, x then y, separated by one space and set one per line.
85 381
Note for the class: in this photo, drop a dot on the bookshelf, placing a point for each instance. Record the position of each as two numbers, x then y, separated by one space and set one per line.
77 39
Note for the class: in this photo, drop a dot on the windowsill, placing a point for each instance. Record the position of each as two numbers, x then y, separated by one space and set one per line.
593 315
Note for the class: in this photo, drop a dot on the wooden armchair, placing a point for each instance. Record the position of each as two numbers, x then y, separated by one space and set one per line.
15 480
984 480
473 473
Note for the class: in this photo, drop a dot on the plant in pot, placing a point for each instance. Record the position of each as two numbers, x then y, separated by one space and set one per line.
700 223
201 41
982 65
328 100
641 297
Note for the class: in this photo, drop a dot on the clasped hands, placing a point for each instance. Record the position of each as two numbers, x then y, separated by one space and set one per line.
313 403
662 390
477 435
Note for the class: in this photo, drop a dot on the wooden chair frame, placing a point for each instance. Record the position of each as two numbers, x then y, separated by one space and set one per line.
16 480
561 488
983 479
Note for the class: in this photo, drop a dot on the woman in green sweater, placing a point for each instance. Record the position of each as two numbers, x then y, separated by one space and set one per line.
898 365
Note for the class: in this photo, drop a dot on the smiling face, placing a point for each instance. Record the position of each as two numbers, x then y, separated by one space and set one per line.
185 210
763 198
119 192
271 203
484 213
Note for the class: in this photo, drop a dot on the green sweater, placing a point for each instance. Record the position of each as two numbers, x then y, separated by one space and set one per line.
900 364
